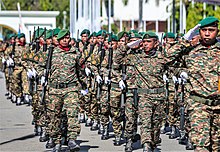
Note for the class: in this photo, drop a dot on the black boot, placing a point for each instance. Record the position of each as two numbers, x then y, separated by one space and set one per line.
44 137
88 122
38 130
147 148
189 145
57 148
82 118
117 141
73 146
128 146
173 133
50 143
7 93
105 135
94 126
101 129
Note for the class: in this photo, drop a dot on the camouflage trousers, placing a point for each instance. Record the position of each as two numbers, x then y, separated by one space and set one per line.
24 80
85 103
111 109
151 111
38 110
63 101
205 126
17 81
7 79
131 116
173 110
94 105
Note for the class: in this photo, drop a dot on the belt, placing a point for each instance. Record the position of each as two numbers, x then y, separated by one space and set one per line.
63 85
206 101
151 91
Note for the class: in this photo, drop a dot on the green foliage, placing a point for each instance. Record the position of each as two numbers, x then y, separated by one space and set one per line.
113 26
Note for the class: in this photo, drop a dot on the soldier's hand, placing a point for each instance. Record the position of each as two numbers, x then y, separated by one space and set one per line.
87 71
84 92
165 79
107 81
99 79
122 84
192 32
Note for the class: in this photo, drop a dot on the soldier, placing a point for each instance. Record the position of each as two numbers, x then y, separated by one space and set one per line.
63 91
202 64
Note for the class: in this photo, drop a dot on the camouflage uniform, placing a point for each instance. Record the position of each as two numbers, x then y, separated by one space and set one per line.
63 93
203 69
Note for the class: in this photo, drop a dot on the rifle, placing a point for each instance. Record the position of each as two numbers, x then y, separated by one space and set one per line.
37 41
99 68
33 40
45 44
182 111
110 56
46 74
30 39
77 41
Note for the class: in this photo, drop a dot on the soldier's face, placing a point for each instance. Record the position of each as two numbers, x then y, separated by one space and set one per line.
41 40
122 41
55 42
65 41
149 44
48 41
114 45
22 39
208 35
84 37
100 39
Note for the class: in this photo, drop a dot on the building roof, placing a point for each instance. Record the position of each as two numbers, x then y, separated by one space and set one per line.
30 13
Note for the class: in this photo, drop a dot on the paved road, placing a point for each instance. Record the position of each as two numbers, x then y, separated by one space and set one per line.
16 133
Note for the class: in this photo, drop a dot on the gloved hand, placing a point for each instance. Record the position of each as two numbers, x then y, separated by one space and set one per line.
11 62
184 76
99 79
3 60
42 81
122 84
87 71
191 33
29 73
34 72
107 81
84 92
165 79
134 43
174 79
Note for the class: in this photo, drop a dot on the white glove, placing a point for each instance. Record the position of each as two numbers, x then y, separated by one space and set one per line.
107 81
3 60
122 84
132 44
34 72
8 63
165 79
11 62
192 32
87 71
29 73
43 80
99 79
184 75
84 92
174 79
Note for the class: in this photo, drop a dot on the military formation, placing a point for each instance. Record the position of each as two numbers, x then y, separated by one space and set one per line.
168 86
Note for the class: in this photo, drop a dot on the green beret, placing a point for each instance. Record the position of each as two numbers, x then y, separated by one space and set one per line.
169 35
102 33
92 35
142 33
150 34
48 34
209 21
135 35
62 33
11 35
56 31
122 34
21 35
73 39
85 31
132 31
114 38
41 32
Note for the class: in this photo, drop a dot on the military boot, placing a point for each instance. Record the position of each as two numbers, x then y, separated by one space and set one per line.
18 103
26 99
147 148
9 95
94 126
44 137
128 146
38 130
50 143
73 146
105 134
173 133
57 148
88 122
13 99
189 145
163 129
117 141
101 129
81 118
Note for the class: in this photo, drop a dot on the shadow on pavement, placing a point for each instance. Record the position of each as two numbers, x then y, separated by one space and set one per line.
20 138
